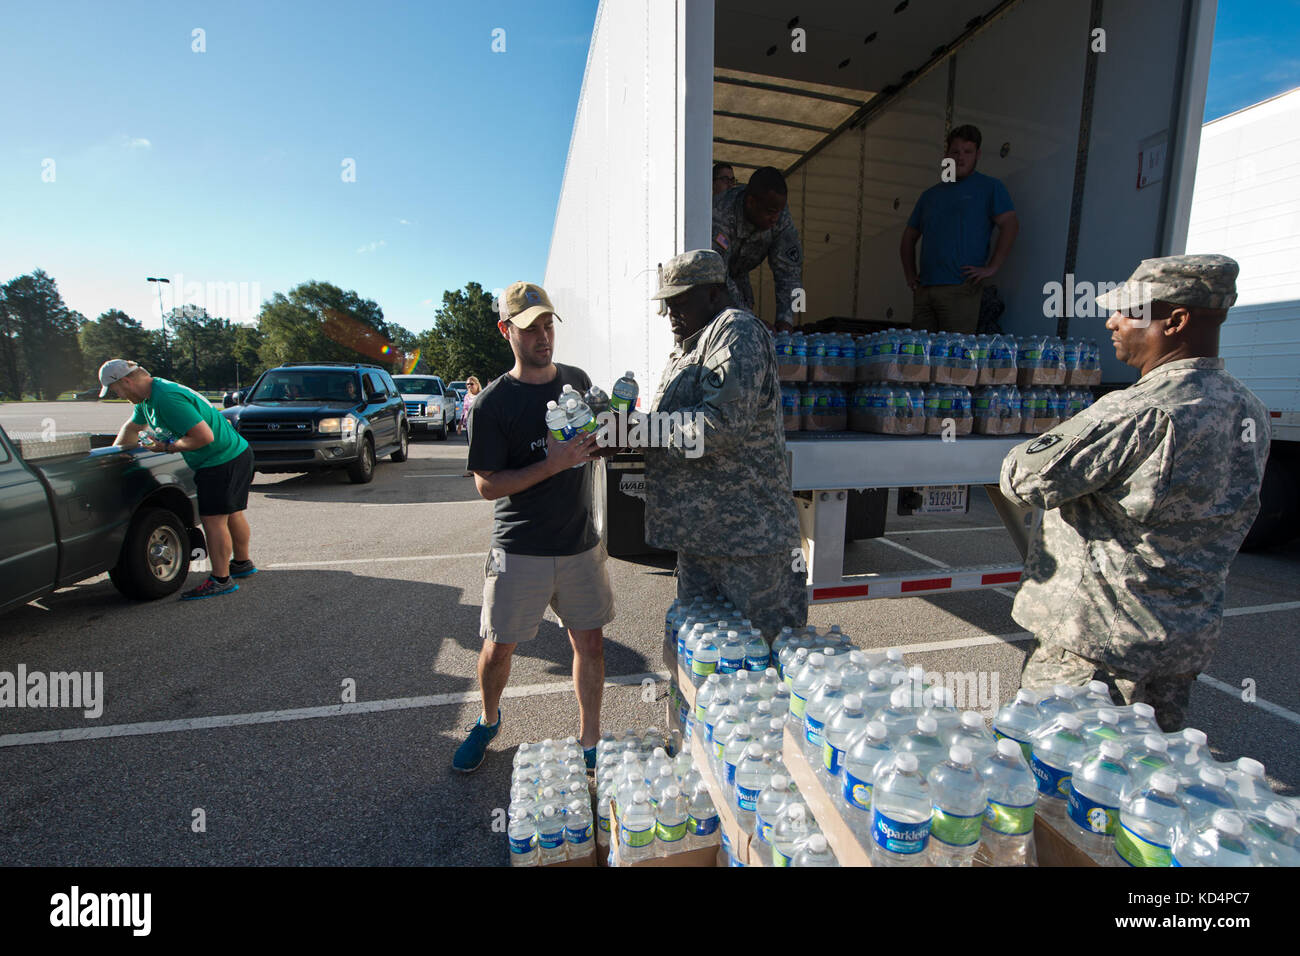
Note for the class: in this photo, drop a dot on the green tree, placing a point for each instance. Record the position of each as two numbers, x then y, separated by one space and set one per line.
44 333
11 372
464 340
319 322
114 335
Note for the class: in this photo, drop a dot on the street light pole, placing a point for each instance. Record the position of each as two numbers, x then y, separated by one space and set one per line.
167 356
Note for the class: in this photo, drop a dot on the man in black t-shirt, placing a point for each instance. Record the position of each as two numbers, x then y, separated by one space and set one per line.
544 549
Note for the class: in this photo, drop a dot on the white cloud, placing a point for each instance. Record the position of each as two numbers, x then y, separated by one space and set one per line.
426 302
404 222
135 142
372 246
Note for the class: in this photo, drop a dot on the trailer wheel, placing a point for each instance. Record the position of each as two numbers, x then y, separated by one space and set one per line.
155 556
1278 520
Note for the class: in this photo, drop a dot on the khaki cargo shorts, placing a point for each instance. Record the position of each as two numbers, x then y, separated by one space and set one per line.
519 587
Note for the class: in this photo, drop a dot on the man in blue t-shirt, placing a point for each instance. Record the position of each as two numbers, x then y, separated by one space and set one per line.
956 217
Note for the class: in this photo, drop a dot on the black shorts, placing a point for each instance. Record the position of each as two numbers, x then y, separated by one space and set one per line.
223 489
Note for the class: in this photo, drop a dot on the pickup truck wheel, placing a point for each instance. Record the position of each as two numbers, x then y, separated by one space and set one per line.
362 471
441 433
155 556
400 454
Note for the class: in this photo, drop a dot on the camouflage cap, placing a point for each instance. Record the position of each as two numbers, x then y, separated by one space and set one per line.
680 273
1204 282
523 303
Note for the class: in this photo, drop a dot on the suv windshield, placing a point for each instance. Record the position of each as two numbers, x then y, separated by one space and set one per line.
291 385
416 386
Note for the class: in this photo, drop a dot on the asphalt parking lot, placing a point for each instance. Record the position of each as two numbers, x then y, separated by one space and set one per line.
233 706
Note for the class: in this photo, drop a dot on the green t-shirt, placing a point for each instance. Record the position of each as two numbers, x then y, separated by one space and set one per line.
171 410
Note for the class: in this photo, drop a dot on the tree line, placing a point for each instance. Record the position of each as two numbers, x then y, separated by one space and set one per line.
47 349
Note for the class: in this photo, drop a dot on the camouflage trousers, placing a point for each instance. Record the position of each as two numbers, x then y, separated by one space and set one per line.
1167 693
766 588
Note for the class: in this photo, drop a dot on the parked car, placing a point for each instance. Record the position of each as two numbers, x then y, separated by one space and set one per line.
235 396
306 416
460 388
69 511
430 405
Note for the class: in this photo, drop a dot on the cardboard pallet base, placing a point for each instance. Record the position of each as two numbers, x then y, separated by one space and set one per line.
841 839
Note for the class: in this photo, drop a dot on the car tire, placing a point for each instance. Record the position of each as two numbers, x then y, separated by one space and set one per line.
155 556
362 471
441 433
400 454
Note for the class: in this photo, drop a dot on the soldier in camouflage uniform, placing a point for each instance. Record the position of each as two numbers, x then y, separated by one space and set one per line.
1148 495
729 513
752 223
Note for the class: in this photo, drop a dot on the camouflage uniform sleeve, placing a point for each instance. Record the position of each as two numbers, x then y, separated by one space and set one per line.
731 377
1081 456
786 259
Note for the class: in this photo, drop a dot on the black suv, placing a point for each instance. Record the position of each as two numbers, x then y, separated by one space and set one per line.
310 416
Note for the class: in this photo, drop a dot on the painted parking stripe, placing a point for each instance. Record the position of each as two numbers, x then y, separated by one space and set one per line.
301 713
1260 702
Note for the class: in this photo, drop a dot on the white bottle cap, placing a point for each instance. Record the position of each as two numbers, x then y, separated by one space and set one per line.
1194 736
639 796
796 812
1098 687
660 753
1163 782
972 719
731 711
571 404
1227 821
773 673
1157 743
550 405
1144 710
853 702
672 792
1108 716
776 724
817 843
828 652
548 793
1213 776
1069 722
733 635
833 681
548 811
959 754
927 724
877 730
764 707
878 676
713 678
816 659
1008 747
906 762
780 781
742 729
894 654
754 750
1064 690
857 657
1251 767
1280 814
1111 750
1026 696
901 697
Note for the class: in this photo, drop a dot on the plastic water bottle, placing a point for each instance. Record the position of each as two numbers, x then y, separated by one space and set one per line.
1147 756
636 829
1096 694
849 721
1205 795
1062 700
1274 835
523 839
715 711
1187 752
1149 819
801 688
767 809
771 738
702 828
959 800
1140 718
820 707
704 696
604 817
900 716
791 665
753 774
704 661
1012 793
1057 748
791 829
814 851
1096 788
1219 841
550 835
578 836
924 742
900 813
622 397
736 745
1103 726
866 751
970 732
721 734
580 417
557 422
1018 719
671 821
731 653
1248 784
757 654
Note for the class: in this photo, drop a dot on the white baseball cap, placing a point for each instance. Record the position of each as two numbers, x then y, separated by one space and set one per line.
114 370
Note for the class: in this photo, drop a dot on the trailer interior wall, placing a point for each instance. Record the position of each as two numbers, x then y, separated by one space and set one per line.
626 202
1247 205
1021 80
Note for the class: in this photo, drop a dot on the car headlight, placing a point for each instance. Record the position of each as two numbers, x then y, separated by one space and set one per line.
345 426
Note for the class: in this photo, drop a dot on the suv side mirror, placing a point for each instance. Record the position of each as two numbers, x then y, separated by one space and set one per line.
230 399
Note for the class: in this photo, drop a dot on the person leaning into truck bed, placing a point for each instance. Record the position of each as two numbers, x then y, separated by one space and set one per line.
219 455
953 221
1148 495
752 223
728 512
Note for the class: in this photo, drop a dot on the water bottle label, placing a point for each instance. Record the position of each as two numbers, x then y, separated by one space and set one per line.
717 749
559 434
1051 782
1092 816
1105 732
726 666
603 822
730 773
702 826
1009 819
779 858
832 758
618 403
757 663
763 829
550 841
747 798
699 711
797 704
857 793
897 836
577 834
812 730
523 844
703 668
955 829
1154 762
1138 851
671 832
636 838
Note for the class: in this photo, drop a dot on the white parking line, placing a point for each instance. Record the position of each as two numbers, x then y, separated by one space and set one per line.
1261 608
979 640
300 713
1260 702
415 557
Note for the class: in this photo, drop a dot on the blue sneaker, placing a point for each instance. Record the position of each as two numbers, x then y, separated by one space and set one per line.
209 588
242 569
470 754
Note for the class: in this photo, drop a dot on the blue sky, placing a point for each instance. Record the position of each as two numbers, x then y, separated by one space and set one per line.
226 166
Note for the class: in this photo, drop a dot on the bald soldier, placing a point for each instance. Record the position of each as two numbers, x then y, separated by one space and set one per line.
1148 495
752 223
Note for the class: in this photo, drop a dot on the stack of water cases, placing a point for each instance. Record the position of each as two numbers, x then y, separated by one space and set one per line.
550 814
1126 794
651 802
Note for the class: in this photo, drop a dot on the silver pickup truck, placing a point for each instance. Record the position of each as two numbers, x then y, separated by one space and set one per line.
72 506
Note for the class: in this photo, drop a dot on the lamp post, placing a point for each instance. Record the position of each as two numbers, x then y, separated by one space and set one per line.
167 356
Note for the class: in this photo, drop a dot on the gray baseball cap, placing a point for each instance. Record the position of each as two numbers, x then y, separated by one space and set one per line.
114 370
684 272
1204 282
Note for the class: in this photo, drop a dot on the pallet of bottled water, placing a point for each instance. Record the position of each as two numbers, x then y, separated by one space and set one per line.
550 815
652 807
1126 794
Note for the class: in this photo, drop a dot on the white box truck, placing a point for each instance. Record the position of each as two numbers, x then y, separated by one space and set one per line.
1090 114
1247 205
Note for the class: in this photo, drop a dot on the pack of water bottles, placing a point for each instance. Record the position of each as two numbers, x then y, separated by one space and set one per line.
651 803
550 813
1127 794
576 412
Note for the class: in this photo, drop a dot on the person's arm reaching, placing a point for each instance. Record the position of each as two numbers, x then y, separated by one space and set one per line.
492 485
128 436
194 439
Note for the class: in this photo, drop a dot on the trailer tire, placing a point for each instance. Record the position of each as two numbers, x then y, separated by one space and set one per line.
1278 520
143 575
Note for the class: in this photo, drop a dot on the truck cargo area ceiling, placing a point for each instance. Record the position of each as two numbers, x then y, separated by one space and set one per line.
786 75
